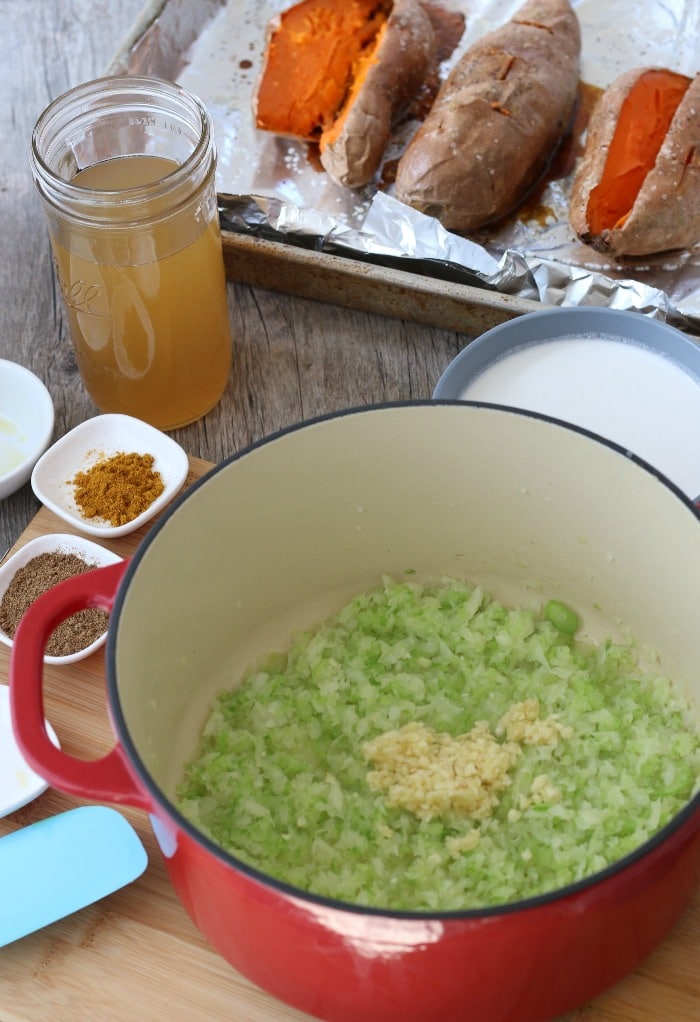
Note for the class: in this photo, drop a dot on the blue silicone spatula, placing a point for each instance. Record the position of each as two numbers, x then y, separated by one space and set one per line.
54 867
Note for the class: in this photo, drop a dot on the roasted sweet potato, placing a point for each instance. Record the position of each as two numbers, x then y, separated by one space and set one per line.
383 83
497 120
309 55
338 72
636 190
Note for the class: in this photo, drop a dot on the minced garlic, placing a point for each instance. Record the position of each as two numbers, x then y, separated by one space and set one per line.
431 773
521 723
464 842
542 792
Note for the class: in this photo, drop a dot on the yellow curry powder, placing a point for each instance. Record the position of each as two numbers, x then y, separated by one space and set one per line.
118 488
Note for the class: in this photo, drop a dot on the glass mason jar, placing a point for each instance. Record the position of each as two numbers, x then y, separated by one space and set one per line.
125 169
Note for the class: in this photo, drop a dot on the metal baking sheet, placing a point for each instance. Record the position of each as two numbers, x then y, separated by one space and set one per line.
273 189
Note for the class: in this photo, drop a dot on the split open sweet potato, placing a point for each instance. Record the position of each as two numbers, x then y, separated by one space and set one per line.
497 120
338 72
636 190
383 83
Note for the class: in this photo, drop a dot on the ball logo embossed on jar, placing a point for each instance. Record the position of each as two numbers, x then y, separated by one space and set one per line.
82 297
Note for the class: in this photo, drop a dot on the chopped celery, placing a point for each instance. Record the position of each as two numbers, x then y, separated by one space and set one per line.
280 781
564 619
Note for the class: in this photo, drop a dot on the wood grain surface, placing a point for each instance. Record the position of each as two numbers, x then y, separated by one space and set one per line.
136 954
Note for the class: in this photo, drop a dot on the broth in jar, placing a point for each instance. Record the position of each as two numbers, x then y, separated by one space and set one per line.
151 330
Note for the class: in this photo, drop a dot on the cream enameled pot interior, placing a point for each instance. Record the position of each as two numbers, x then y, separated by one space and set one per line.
282 535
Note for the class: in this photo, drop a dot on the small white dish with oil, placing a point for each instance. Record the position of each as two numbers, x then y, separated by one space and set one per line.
26 425
19 784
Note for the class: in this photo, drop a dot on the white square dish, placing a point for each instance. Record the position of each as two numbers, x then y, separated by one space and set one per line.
95 440
90 552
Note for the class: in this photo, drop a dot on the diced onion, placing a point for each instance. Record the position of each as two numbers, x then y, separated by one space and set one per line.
280 781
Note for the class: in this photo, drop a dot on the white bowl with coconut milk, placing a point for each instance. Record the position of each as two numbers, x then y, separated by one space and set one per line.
619 374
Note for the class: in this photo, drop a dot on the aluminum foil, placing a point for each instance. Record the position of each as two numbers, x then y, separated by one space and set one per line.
273 187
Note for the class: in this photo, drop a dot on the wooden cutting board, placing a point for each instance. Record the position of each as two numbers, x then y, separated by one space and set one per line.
136 955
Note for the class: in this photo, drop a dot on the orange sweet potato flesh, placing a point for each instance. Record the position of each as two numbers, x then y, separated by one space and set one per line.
357 78
311 52
642 126
383 83
647 201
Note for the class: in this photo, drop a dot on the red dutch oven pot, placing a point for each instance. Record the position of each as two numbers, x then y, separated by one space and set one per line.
283 533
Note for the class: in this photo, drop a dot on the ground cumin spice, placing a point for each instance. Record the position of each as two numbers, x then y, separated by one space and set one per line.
118 488
35 577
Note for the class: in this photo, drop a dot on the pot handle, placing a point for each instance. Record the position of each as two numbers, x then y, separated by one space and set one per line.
108 779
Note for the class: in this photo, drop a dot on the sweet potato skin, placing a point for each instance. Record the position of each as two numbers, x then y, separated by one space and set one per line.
352 151
666 212
497 120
